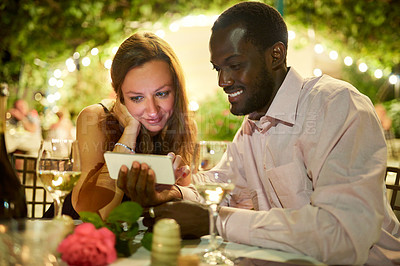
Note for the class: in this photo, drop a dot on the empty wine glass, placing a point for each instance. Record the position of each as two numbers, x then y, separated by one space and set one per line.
59 168
213 192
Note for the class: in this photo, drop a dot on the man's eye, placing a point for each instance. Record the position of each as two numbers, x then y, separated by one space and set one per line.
136 99
162 94
235 66
216 68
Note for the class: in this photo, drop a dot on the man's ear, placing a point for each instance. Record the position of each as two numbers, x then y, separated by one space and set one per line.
278 54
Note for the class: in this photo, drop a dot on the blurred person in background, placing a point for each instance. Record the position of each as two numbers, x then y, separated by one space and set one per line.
63 128
24 132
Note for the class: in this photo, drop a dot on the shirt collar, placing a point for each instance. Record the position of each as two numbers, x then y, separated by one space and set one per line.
284 106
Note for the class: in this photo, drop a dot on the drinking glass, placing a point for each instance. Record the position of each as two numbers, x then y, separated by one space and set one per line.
209 153
59 168
213 192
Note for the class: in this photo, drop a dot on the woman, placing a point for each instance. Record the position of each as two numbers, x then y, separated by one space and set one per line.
150 115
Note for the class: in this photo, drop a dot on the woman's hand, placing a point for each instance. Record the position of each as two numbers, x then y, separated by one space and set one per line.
182 176
139 184
124 117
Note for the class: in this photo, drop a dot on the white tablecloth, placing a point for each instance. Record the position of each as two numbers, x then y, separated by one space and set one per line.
141 257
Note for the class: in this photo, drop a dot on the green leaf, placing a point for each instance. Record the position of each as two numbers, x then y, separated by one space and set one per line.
147 240
127 211
124 247
132 232
90 217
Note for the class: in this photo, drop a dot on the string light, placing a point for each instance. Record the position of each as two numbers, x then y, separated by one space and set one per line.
291 35
363 67
333 55
174 27
193 106
57 73
317 72
378 73
52 81
108 63
393 79
318 48
348 61
86 61
94 51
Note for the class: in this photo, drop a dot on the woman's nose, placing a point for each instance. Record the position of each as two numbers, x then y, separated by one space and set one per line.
152 107
225 79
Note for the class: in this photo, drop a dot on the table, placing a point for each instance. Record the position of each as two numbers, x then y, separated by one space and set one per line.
142 256
42 236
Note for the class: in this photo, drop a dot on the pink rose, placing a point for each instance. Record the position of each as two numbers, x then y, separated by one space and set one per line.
88 246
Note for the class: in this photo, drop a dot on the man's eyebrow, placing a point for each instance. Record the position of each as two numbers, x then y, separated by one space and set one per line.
228 58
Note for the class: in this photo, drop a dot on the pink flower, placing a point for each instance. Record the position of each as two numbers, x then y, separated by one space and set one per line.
88 246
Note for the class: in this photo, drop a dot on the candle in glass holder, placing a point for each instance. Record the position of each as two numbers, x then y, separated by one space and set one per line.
166 244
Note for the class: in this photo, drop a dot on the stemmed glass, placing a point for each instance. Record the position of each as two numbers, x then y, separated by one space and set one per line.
59 168
213 192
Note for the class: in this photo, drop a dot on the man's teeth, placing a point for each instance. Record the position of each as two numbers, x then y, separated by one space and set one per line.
235 93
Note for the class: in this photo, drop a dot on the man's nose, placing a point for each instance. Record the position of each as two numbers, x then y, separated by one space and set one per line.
225 79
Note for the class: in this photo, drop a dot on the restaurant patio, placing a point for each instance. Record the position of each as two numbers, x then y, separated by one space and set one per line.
57 56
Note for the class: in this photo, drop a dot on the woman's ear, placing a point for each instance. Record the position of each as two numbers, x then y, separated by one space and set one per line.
278 54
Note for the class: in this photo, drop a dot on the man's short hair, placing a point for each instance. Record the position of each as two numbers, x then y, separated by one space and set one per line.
265 25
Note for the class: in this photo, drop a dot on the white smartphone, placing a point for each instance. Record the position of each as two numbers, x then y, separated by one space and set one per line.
161 165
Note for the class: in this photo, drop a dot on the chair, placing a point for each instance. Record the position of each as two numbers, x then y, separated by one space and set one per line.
37 198
394 172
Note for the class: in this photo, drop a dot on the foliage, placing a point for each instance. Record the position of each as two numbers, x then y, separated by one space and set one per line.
393 111
365 29
37 36
122 221
214 119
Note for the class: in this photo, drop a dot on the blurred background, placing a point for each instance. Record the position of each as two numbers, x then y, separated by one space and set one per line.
56 55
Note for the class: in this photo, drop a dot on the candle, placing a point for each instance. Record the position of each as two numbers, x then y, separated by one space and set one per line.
166 244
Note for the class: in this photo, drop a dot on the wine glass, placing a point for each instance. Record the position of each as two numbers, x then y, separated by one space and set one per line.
59 168
213 192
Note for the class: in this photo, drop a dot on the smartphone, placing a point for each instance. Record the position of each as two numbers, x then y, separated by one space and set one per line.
161 165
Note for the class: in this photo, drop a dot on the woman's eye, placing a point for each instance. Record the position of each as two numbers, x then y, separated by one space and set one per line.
162 94
136 99
216 68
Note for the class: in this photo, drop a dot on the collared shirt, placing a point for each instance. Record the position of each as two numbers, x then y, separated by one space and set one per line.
313 169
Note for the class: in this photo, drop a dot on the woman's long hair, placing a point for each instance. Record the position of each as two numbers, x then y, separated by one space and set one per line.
179 133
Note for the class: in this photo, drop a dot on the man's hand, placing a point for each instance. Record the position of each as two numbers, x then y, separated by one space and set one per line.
139 184
192 217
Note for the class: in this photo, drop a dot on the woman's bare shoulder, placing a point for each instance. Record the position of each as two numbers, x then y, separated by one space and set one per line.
94 109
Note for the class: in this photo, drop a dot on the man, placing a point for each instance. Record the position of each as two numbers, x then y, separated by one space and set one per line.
310 155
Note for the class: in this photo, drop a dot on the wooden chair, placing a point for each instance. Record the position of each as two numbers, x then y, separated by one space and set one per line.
394 187
37 198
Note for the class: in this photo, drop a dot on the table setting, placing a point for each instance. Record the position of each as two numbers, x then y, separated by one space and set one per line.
40 241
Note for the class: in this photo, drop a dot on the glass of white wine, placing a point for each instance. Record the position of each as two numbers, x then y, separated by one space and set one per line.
213 192
58 168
